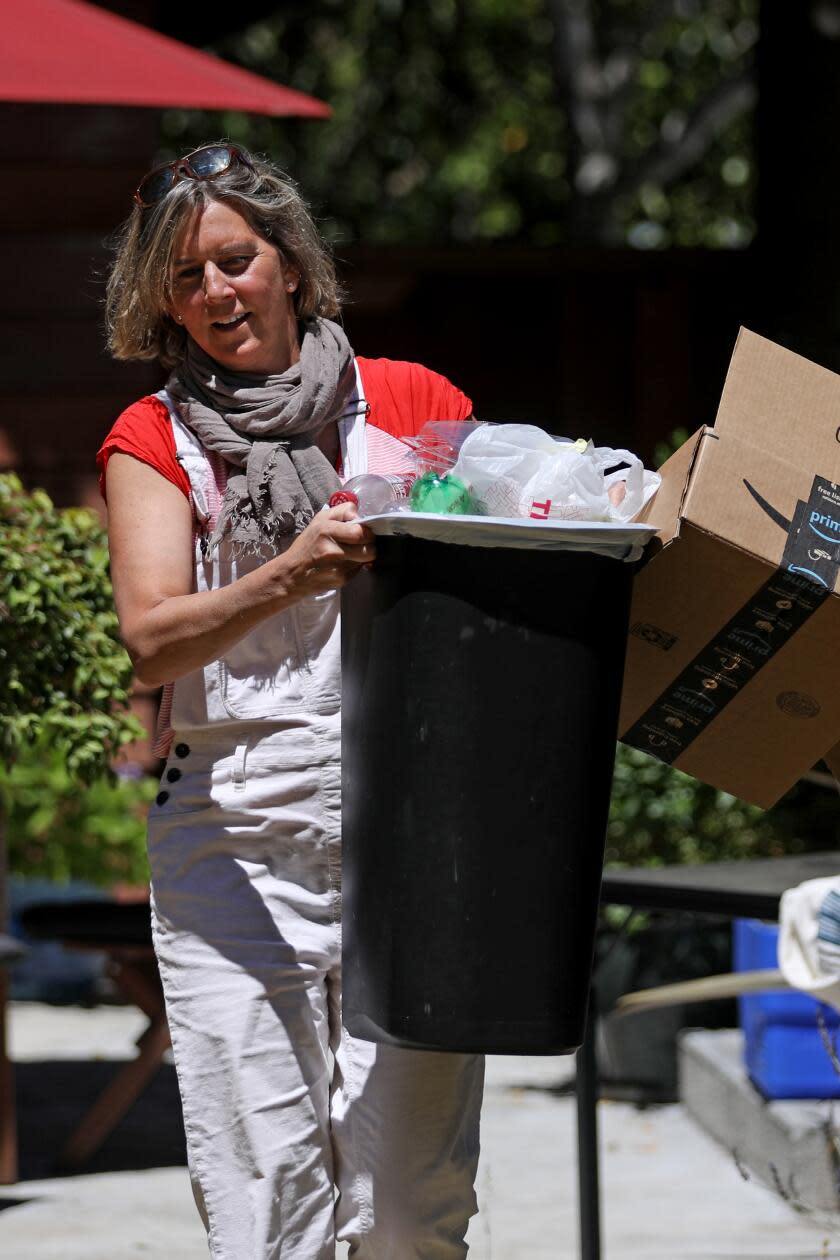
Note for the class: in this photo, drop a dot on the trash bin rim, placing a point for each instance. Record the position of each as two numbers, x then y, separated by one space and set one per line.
612 537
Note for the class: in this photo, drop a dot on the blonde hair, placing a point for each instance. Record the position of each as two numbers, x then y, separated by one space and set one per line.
139 283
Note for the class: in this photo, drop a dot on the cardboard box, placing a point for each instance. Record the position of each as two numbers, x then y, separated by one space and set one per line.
733 665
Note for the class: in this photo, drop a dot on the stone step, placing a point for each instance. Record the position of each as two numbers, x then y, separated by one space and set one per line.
790 1145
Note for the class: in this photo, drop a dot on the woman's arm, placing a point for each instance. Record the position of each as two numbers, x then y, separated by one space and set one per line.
169 630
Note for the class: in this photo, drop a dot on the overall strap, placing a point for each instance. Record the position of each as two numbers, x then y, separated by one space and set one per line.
352 425
206 470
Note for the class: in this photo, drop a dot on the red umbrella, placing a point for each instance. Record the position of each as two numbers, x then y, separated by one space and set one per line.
75 53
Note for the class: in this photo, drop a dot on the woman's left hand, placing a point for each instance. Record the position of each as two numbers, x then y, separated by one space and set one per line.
331 550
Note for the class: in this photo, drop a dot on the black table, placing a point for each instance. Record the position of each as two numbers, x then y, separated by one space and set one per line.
749 889
11 950
752 888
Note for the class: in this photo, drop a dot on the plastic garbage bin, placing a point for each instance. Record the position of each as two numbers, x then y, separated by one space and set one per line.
481 688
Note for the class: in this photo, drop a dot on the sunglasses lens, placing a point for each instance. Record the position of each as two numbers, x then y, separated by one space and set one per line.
156 185
213 159
205 163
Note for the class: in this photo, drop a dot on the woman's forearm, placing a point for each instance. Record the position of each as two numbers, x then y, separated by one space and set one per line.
185 632
171 634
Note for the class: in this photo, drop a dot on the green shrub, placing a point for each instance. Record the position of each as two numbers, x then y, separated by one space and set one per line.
61 830
64 679
64 675
660 815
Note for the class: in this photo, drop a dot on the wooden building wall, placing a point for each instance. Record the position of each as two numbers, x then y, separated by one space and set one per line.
614 344
68 175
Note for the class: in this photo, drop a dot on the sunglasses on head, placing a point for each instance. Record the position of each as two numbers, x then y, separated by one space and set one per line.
204 163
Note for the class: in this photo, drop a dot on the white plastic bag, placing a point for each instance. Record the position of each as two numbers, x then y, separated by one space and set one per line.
498 460
518 470
640 483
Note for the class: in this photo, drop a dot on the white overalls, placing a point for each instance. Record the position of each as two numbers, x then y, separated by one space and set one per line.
283 1108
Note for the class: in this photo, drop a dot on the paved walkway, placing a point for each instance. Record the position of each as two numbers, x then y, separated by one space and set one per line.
668 1190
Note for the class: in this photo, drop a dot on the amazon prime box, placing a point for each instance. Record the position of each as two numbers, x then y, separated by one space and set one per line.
733 665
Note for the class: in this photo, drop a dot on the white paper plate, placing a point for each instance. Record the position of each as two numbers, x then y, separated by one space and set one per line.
622 542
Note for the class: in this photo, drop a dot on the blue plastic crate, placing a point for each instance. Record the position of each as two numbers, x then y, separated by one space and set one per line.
783 1049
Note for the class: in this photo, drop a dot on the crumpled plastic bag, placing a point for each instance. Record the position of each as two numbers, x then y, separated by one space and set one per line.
518 470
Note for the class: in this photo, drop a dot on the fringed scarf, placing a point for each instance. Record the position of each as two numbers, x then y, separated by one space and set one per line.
268 426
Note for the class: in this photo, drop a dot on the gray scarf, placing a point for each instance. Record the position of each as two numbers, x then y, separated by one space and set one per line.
268 426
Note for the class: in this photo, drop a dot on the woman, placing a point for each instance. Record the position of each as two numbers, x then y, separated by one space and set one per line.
226 571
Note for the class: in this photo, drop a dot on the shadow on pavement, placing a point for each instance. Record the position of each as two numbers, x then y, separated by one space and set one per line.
53 1096
7 1201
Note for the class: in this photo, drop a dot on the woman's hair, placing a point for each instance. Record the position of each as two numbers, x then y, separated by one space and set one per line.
139 284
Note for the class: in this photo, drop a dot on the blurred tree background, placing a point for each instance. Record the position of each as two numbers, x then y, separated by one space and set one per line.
547 122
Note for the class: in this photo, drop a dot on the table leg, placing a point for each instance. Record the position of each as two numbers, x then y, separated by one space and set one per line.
586 1091
8 1123
115 1100
138 982
137 979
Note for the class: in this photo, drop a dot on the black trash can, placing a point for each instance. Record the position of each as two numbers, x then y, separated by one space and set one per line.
480 705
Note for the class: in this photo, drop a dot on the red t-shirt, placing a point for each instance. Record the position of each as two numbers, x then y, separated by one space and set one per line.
402 397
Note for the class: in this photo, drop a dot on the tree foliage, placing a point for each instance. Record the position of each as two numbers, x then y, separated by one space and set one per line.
61 830
64 675
546 121
659 815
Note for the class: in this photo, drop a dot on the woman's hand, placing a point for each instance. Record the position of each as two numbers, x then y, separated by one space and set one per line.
325 555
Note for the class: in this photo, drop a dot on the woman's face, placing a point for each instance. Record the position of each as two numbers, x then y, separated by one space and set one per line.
232 292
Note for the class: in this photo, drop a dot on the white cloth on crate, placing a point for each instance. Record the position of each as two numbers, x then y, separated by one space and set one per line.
282 1107
809 938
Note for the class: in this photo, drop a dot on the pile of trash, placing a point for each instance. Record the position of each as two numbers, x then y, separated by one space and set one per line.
507 471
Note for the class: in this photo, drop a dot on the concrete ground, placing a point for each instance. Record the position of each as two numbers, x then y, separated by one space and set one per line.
667 1189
